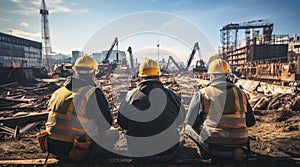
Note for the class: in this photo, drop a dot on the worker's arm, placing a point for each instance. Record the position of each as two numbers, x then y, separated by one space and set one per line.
102 117
177 107
250 120
194 110
122 120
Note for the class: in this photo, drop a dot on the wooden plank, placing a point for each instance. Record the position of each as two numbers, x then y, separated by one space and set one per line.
24 120
51 161
253 162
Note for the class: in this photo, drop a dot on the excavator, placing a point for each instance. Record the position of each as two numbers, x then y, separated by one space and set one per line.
62 70
108 67
192 55
176 64
200 70
201 67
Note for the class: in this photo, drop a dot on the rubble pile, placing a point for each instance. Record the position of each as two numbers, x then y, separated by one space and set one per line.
277 114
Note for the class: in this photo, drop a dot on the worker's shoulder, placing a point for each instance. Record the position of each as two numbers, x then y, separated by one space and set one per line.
171 92
239 89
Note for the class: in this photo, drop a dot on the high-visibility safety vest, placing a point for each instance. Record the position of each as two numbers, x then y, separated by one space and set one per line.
67 114
224 115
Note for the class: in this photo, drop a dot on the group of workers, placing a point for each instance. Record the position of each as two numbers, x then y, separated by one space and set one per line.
79 124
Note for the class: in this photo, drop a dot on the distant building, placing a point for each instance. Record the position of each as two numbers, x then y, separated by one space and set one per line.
113 56
61 58
19 52
97 57
75 54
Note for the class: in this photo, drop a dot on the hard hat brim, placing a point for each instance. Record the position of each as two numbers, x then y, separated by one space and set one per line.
86 68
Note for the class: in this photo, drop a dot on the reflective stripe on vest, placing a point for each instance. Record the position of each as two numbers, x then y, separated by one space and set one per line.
224 125
65 123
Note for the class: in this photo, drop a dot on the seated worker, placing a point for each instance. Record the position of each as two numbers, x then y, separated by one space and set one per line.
79 119
150 114
219 115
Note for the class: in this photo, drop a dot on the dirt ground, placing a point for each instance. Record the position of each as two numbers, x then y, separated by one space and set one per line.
275 134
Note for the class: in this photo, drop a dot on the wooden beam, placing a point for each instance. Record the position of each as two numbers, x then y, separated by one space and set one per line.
24 120
51 161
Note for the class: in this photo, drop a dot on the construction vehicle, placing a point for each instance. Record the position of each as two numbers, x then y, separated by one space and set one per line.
107 67
192 55
200 70
189 61
62 70
176 64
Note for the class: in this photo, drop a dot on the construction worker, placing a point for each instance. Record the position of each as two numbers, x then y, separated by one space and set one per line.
79 121
219 115
150 114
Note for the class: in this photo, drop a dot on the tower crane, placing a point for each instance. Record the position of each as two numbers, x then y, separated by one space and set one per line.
45 35
229 33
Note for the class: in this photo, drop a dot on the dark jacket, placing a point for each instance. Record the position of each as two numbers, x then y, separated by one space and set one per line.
138 102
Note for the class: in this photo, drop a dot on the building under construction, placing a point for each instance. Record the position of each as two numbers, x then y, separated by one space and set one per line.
261 55
19 52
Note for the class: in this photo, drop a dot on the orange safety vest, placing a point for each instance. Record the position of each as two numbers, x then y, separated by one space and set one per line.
66 118
224 124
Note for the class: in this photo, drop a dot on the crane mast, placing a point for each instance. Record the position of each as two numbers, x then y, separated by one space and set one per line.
45 35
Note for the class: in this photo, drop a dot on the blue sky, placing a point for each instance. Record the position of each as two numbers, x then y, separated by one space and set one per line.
74 22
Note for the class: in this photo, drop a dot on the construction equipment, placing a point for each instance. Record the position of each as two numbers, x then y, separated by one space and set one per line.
106 59
63 70
229 33
107 67
200 70
176 64
190 59
45 35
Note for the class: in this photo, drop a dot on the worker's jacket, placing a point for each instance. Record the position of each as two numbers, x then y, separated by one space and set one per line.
223 112
77 108
138 102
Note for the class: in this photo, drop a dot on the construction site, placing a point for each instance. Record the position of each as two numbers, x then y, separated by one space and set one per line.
266 66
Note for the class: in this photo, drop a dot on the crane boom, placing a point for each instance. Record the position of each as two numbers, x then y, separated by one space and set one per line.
189 61
171 58
106 59
248 25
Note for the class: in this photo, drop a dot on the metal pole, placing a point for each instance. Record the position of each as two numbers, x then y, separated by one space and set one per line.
157 51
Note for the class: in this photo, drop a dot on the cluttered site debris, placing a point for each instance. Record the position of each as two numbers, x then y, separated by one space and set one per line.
265 66
275 135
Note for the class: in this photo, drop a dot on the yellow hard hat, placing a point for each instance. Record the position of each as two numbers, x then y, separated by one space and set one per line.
219 66
86 62
149 68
